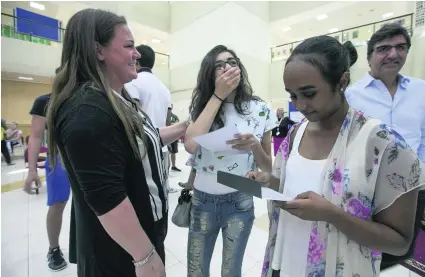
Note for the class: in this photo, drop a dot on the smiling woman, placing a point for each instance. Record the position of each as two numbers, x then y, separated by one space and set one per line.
111 152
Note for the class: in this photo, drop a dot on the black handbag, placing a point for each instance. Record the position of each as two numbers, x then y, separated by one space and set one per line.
181 215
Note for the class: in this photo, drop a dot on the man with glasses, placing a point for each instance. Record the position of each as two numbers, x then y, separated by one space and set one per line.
385 94
397 100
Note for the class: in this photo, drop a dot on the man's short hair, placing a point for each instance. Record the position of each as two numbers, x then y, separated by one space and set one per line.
388 31
147 56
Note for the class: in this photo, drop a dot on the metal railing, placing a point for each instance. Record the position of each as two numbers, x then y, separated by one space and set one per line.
283 51
9 30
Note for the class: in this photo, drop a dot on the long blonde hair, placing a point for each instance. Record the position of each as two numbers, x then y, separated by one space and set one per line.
81 67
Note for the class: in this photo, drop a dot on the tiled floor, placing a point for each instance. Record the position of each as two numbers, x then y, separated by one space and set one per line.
24 239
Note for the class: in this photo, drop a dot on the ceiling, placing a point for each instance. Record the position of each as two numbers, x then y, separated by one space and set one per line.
150 21
341 15
13 76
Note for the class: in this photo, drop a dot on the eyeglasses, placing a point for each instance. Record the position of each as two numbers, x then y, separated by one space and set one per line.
402 48
222 64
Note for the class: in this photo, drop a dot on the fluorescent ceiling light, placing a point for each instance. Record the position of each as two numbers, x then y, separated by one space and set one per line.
333 30
37 6
154 40
26 78
286 29
387 15
322 16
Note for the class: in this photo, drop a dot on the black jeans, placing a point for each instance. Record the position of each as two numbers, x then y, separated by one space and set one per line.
5 152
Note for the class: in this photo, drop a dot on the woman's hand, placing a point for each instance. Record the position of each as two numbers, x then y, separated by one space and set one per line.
265 178
227 82
31 179
245 142
153 268
309 206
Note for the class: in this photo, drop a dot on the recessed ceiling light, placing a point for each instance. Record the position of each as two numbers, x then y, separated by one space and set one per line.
286 29
333 30
37 6
26 78
154 40
322 16
387 15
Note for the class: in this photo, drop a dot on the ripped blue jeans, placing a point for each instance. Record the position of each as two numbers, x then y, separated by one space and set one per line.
231 213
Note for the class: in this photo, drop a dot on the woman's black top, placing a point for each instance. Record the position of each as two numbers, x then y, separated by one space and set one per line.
103 171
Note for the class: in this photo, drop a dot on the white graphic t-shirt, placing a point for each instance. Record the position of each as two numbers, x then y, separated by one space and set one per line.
259 120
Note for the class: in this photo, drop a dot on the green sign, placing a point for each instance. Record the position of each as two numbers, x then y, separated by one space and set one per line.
9 31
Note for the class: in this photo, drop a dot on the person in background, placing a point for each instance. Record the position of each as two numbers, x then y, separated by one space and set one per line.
174 146
280 132
152 95
396 100
355 195
14 135
110 150
385 94
4 149
58 188
223 96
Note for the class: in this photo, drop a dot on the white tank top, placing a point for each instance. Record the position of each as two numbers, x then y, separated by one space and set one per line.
301 175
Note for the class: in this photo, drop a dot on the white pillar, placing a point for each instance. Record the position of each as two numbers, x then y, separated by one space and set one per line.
418 41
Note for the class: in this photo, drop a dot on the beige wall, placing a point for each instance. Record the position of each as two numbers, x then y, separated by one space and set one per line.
17 99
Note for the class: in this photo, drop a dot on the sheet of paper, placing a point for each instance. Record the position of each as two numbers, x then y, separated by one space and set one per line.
216 141
270 194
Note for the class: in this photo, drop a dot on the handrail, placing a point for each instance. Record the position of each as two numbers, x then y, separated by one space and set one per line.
56 27
351 28
16 17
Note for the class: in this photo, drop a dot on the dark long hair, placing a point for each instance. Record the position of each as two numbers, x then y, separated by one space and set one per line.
328 55
205 87
80 67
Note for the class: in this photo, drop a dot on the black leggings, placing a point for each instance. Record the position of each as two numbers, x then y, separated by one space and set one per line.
5 152
276 273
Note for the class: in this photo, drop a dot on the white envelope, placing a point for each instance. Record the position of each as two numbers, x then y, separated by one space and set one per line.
216 141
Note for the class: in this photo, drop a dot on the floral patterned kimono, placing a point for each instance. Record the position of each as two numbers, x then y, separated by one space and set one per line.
369 167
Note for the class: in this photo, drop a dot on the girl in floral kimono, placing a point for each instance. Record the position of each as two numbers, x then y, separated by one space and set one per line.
354 181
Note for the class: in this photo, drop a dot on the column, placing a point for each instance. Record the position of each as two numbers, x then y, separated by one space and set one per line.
418 41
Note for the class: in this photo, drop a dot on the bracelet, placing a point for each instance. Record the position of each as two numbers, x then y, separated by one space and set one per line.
218 97
145 260
188 122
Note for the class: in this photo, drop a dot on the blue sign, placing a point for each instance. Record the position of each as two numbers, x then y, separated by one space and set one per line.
294 114
37 25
